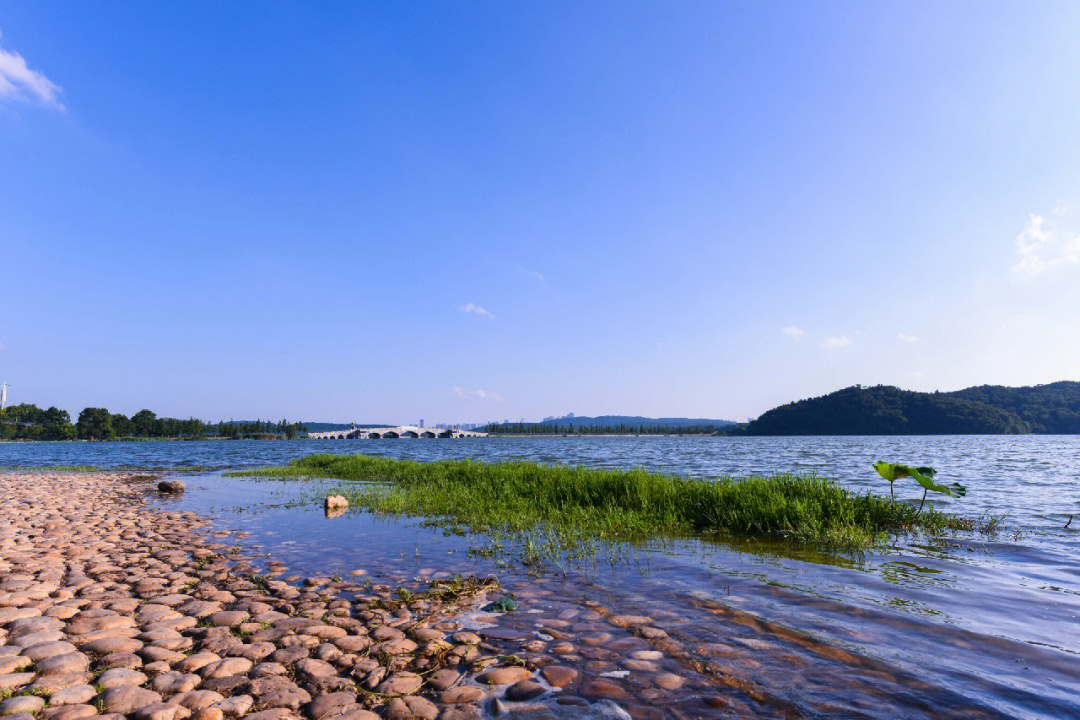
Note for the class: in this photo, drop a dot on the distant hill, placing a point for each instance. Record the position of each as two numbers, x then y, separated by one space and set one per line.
886 410
620 424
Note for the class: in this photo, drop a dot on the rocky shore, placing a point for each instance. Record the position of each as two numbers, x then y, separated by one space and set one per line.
110 608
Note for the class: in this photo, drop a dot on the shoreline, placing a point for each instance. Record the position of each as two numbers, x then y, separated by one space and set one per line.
110 608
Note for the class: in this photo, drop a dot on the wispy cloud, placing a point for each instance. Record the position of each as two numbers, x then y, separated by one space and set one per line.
477 310
909 338
1043 245
836 342
19 82
793 332
477 394
531 273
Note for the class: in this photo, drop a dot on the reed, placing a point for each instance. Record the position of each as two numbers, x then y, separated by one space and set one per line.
574 503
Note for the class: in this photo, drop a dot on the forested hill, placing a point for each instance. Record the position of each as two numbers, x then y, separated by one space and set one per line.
884 410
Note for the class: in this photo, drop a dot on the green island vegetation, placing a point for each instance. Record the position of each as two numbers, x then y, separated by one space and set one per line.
885 410
565 507
29 422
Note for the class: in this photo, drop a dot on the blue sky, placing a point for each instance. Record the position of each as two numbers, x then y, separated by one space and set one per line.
469 211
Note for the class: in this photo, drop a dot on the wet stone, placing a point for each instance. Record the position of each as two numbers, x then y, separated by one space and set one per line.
558 675
504 675
524 690
463 694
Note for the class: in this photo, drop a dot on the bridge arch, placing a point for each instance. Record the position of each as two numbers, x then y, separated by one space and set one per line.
390 434
408 434
427 434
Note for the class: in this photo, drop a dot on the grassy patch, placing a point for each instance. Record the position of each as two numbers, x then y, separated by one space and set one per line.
557 506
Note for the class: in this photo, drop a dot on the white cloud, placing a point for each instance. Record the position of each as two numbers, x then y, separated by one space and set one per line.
531 273
477 310
1043 246
793 332
836 342
918 375
477 394
19 82
909 338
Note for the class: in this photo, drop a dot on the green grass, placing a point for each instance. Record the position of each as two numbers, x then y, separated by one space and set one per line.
558 506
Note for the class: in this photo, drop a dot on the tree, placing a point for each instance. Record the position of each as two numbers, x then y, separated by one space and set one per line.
122 426
95 424
145 422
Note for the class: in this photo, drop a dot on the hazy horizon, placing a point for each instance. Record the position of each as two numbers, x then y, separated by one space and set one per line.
459 213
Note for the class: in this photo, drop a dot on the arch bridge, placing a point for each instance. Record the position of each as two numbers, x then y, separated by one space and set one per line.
400 431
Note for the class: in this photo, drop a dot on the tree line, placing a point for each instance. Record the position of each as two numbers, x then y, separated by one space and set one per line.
542 428
29 422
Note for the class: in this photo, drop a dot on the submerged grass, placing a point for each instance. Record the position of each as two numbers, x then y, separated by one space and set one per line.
563 506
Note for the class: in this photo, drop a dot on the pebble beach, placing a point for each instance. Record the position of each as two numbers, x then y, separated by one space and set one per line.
112 608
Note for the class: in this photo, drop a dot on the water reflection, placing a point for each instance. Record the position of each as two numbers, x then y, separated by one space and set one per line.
791 618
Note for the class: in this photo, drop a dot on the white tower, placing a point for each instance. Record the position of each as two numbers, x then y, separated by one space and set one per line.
3 396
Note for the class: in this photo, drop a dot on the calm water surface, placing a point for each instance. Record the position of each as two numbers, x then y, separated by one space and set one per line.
972 626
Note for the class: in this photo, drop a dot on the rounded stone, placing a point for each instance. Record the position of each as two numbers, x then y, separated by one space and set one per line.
669 681
462 695
74 662
22 704
235 706
524 690
73 695
559 676
504 675
227 618
127 699
226 667
603 688
48 649
329 704
162 711
120 677
68 712
400 683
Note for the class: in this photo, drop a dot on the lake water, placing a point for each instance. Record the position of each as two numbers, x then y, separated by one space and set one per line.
971 626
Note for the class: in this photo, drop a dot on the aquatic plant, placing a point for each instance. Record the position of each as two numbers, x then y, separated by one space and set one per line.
574 507
922 475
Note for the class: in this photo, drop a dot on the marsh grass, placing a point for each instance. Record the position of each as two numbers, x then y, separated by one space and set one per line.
558 506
